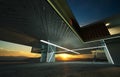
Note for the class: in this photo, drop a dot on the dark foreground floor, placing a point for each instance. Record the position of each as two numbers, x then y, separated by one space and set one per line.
71 69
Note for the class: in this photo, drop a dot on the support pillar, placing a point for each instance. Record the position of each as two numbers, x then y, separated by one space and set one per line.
47 53
107 53
114 49
43 53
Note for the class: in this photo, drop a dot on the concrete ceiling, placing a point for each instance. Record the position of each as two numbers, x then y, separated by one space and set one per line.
28 21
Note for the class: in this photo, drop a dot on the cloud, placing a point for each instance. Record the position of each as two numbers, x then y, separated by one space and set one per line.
65 56
8 53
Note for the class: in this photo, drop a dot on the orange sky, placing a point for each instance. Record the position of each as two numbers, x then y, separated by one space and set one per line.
62 56
65 56
26 54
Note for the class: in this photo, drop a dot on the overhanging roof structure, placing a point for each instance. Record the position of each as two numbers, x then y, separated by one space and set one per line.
29 21
93 31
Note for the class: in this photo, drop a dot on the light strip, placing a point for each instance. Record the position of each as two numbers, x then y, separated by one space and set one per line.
113 37
59 46
88 48
64 19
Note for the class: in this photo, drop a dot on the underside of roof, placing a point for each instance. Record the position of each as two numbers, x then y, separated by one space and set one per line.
29 21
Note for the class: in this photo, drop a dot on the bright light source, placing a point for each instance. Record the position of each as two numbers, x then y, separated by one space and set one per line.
64 55
59 46
107 24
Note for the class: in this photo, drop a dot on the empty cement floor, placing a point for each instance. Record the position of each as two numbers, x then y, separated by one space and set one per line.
63 69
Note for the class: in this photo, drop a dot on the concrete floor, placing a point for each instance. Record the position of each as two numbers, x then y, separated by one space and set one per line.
63 69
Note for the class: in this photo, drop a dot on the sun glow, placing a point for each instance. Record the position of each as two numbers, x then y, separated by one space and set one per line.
69 57
64 56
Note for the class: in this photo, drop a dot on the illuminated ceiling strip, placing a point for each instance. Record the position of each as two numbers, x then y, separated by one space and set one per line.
88 48
64 19
59 46
113 37
107 24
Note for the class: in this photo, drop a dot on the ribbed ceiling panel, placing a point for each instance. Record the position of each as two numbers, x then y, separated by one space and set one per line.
36 18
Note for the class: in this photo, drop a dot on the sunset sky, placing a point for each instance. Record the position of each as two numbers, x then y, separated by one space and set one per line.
14 47
16 50
8 49
22 54
25 54
69 57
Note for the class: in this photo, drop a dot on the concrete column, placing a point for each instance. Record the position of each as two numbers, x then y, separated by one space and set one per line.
51 53
114 49
43 53
47 53
107 53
